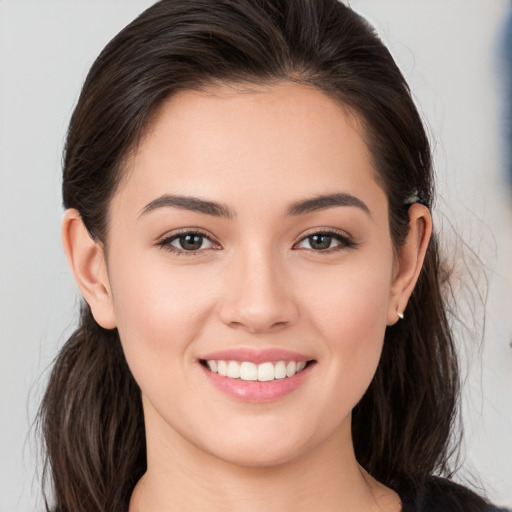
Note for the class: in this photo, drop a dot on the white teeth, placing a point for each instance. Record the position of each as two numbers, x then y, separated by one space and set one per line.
222 368
248 371
233 370
291 369
263 372
280 370
212 365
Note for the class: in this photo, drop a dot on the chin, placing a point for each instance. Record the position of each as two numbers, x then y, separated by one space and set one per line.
256 457
255 450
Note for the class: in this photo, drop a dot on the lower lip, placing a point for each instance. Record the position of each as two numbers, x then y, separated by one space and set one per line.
256 391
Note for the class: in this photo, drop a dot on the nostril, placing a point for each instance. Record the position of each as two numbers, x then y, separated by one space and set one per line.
278 325
236 325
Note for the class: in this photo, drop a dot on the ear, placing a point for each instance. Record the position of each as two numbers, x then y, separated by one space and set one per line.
86 257
409 260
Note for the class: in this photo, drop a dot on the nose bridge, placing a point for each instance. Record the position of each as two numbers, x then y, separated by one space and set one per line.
259 298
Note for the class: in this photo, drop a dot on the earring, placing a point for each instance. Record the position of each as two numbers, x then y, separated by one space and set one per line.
400 315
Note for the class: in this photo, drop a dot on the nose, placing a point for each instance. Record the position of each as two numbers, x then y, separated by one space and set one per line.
259 297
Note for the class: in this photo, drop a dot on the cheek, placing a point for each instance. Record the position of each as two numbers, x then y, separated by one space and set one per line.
350 313
348 302
159 310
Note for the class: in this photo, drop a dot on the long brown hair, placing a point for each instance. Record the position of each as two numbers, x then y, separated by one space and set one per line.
91 415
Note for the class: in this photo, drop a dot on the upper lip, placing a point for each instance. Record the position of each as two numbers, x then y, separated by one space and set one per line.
256 355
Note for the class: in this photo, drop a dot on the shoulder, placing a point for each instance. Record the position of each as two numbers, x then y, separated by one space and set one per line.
436 494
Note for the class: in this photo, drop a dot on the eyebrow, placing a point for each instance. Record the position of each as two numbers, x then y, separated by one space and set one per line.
188 203
215 209
322 202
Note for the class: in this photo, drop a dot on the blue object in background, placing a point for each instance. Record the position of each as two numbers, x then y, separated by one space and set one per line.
507 91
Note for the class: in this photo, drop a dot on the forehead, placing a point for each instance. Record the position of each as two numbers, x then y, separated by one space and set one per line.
284 140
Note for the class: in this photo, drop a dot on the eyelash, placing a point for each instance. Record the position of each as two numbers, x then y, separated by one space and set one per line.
344 242
165 243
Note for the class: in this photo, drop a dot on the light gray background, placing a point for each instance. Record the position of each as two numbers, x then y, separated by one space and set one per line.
448 50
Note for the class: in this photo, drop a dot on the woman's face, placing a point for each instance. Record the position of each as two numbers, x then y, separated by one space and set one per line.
250 232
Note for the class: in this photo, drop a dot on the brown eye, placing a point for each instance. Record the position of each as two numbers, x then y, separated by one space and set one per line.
320 241
325 241
190 242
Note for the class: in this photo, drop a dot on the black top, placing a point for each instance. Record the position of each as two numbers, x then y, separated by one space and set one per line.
439 495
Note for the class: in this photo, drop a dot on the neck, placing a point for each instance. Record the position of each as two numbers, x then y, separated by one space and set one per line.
182 477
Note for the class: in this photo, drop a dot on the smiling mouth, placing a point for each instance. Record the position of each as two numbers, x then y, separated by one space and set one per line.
248 371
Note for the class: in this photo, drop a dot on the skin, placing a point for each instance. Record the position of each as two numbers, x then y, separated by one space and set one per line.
259 283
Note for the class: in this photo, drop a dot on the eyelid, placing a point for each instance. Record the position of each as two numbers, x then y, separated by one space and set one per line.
347 241
164 241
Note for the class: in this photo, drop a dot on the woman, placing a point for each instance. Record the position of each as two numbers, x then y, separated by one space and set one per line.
248 186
